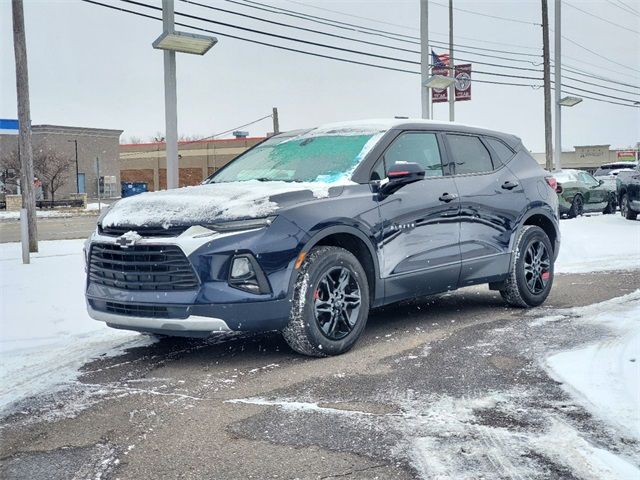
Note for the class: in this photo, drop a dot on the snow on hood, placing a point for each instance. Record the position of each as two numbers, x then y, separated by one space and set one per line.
206 203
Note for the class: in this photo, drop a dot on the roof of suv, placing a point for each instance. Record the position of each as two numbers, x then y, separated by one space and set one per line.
384 124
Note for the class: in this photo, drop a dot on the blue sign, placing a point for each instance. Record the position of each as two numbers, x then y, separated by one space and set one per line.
8 126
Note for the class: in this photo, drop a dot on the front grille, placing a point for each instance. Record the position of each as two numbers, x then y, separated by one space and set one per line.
141 267
158 231
133 310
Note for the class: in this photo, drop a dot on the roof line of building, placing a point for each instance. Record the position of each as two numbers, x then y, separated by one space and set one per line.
187 142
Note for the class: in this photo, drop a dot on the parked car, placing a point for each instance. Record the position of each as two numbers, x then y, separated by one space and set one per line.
628 188
580 192
308 230
609 171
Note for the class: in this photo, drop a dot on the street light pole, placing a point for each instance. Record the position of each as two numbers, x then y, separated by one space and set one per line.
557 153
425 56
170 99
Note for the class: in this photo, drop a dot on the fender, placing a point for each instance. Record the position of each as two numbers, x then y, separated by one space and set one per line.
543 210
315 238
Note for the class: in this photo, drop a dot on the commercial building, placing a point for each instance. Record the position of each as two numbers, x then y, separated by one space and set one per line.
146 162
590 157
94 145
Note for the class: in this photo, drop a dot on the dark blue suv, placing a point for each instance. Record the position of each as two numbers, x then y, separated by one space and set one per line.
307 231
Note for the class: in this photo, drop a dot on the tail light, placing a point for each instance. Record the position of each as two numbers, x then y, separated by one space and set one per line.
552 182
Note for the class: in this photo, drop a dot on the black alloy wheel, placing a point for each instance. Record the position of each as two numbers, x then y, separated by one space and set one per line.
337 303
537 267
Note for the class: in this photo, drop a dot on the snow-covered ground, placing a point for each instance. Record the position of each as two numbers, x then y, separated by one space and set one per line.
45 332
605 375
597 243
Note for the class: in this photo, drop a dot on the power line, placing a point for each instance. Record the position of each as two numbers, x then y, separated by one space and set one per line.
506 19
602 57
601 19
359 28
630 8
327 56
623 7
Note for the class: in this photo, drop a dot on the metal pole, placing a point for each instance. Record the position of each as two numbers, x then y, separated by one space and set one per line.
24 120
170 100
558 86
425 56
24 235
77 169
98 174
548 144
452 68
276 121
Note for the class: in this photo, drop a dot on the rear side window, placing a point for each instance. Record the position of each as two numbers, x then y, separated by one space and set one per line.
504 153
469 154
418 147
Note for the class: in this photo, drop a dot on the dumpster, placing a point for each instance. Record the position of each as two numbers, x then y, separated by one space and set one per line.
133 188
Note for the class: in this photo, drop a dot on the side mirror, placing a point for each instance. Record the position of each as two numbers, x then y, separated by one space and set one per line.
401 174
600 182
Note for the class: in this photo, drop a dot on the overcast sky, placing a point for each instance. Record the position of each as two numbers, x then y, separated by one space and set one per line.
90 66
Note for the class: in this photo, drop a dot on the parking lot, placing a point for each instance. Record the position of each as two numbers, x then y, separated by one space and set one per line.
455 386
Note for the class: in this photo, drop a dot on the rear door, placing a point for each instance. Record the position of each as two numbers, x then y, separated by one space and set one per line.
420 221
491 200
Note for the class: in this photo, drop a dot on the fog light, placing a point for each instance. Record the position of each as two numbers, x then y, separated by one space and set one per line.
241 268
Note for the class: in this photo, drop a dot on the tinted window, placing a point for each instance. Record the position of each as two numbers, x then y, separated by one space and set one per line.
469 154
504 153
421 148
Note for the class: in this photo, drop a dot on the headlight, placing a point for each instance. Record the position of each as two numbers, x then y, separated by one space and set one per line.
238 225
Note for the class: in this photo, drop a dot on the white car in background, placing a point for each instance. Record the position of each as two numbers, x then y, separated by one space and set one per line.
609 171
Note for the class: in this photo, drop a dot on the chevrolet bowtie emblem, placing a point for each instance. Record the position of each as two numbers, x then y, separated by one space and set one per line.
128 239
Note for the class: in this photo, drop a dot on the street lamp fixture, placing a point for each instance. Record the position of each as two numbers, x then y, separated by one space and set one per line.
440 82
184 42
569 101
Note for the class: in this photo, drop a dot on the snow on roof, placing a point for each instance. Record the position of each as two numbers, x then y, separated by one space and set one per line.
382 124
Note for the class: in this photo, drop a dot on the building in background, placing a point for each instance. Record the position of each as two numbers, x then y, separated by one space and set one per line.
93 143
590 157
146 162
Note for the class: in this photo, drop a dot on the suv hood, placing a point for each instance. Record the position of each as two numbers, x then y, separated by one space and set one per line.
212 202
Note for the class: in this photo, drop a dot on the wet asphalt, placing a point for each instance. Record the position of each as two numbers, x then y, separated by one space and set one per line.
453 385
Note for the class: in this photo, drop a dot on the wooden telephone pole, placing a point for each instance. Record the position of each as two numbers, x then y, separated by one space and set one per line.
548 144
24 119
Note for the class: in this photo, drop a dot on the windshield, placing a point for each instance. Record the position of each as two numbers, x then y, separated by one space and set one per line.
565 176
302 158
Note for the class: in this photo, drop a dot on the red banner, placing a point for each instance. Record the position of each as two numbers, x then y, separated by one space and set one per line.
463 82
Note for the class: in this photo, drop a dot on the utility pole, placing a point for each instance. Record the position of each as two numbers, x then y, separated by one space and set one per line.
276 121
170 99
24 119
75 141
425 57
452 67
548 144
98 176
558 86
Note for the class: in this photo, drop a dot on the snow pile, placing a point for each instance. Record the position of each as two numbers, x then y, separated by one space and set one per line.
45 332
605 375
4 215
206 203
597 243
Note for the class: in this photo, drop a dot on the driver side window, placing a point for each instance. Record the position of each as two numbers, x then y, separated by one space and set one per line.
417 147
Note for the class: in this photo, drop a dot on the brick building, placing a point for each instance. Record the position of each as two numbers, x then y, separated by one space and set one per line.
146 162
588 157
92 143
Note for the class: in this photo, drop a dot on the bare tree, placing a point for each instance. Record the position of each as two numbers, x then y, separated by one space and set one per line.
53 169
10 169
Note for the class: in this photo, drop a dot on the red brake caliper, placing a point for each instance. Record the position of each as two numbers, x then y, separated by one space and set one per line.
545 276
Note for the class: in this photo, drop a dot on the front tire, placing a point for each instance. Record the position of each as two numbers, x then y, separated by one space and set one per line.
611 205
531 276
625 208
330 303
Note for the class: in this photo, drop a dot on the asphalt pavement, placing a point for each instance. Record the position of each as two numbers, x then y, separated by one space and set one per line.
458 376
51 228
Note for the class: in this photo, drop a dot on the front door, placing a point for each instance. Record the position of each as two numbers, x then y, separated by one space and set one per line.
420 229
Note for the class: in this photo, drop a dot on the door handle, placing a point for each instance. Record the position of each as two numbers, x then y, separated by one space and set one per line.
509 185
447 197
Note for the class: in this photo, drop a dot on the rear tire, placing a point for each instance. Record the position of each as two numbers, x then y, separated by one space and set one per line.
531 276
625 208
577 207
330 303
